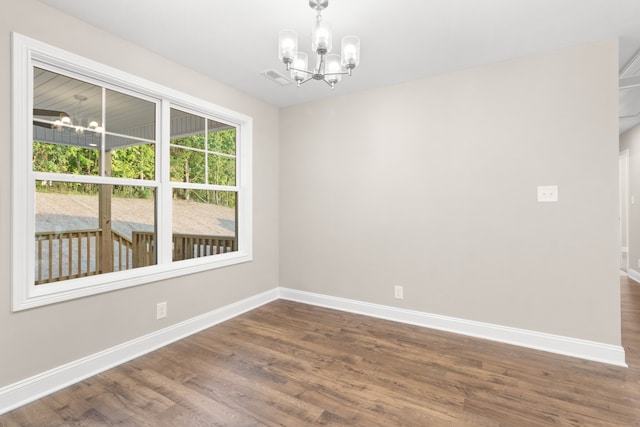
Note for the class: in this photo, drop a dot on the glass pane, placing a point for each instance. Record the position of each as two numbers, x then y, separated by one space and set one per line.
70 159
64 104
187 130
66 129
222 170
130 116
187 165
72 242
204 223
222 138
134 161
69 133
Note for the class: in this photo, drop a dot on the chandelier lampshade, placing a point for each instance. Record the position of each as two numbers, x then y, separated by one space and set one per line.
321 36
288 42
333 68
350 52
300 63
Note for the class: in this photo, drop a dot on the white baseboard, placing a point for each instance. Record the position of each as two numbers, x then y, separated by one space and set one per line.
40 385
589 350
30 389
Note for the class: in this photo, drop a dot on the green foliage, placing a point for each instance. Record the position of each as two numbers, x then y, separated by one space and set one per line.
223 141
137 162
189 163
65 159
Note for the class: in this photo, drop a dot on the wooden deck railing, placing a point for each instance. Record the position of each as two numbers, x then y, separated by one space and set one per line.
144 252
122 252
66 255
76 253
185 246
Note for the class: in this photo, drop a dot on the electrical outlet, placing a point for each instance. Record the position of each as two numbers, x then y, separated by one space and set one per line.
161 310
548 193
398 292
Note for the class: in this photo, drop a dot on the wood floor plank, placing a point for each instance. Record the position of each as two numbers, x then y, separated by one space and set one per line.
290 364
74 410
179 416
186 397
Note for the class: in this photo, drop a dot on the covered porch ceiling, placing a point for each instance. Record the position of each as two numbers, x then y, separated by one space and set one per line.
124 119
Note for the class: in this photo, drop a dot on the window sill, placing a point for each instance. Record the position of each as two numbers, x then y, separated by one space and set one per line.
39 295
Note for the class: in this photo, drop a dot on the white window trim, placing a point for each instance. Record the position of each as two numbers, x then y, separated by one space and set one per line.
25 53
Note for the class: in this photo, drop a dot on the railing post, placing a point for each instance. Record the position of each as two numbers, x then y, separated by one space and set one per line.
104 218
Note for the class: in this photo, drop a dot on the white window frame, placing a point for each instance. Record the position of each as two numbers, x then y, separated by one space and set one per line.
28 53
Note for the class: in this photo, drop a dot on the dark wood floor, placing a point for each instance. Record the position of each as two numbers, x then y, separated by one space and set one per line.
295 365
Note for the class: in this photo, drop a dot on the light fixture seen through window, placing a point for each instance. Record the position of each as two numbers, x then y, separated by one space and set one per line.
330 67
64 121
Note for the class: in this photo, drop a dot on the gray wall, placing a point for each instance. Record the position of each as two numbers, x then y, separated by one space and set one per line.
39 339
432 185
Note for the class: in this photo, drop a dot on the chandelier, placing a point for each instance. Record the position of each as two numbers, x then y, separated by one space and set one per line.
64 120
330 67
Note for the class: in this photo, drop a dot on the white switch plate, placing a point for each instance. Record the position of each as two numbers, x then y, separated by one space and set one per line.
547 193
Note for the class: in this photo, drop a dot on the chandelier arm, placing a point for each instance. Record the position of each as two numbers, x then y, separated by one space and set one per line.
331 85
301 70
300 83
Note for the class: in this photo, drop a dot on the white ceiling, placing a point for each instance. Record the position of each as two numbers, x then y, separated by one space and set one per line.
234 40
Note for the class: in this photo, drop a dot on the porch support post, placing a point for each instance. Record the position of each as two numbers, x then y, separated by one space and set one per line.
104 219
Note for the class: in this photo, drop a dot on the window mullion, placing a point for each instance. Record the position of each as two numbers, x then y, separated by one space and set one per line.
164 211
103 133
206 151
89 179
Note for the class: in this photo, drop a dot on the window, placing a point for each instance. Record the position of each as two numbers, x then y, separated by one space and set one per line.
86 227
203 173
119 181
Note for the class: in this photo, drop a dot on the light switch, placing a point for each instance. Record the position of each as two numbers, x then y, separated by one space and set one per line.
547 193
